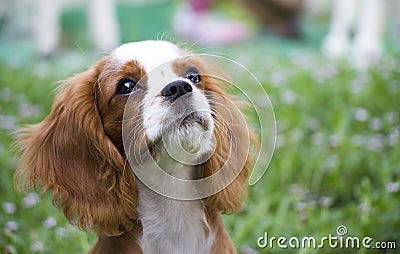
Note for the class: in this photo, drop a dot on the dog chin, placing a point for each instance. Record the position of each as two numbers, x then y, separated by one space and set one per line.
195 138
192 136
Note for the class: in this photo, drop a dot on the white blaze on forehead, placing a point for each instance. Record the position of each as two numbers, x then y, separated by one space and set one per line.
156 57
150 54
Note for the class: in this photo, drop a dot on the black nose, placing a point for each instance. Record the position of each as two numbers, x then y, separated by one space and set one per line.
176 89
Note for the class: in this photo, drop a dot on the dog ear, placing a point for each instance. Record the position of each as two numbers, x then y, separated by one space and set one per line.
70 154
233 140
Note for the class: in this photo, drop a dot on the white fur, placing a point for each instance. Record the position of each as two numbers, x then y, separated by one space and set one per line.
155 57
169 226
155 110
150 54
172 226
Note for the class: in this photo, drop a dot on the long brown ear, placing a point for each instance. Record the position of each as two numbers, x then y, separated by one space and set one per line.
233 141
70 154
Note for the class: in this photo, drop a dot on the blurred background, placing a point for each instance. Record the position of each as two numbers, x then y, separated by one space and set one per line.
330 68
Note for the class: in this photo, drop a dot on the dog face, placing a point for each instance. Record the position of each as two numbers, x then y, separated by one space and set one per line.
166 96
163 95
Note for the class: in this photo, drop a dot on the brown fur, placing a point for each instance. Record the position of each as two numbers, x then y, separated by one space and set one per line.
77 153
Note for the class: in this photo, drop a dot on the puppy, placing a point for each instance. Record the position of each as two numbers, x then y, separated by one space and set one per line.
145 149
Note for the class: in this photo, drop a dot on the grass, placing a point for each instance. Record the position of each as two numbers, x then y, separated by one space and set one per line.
332 166
336 161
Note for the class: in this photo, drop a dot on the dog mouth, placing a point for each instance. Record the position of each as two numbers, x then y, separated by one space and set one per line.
195 118
184 125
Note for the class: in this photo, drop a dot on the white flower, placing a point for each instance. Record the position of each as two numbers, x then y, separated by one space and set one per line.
297 191
331 161
313 124
9 207
375 124
357 84
8 123
363 207
393 137
317 139
325 201
289 97
335 140
392 187
36 246
27 110
30 200
361 114
62 232
301 206
49 223
375 143
391 118
12 226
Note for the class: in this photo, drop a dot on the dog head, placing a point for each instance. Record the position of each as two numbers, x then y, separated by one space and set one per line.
78 151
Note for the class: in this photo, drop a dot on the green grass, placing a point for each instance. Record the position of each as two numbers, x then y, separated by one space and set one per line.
329 169
337 160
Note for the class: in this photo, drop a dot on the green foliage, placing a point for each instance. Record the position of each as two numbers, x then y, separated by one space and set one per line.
337 156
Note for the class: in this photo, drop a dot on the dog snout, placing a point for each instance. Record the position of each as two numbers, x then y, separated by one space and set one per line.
176 89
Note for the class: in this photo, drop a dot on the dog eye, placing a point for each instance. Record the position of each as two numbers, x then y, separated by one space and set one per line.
193 76
126 86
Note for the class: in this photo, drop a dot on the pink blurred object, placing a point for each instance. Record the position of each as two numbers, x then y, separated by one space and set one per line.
196 22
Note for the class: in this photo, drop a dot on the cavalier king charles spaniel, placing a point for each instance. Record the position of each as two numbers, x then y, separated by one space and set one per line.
106 117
